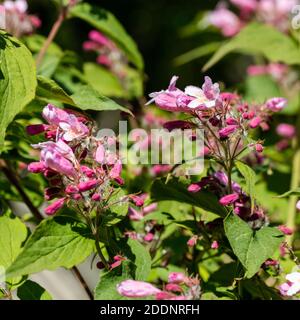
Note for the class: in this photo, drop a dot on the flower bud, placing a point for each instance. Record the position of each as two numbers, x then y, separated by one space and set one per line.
286 130
176 277
228 199
255 122
285 230
88 185
149 237
36 167
36 129
136 289
259 148
227 131
55 206
215 245
96 197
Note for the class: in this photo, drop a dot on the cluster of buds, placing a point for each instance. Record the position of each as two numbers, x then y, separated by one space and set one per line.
179 287
272 12
15 19
82 168
109 55
226 121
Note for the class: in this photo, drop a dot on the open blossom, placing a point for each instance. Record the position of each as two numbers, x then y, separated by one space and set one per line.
292 286
193 98
16 20
225 20
136 289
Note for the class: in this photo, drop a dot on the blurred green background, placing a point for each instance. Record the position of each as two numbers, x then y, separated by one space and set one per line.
160 29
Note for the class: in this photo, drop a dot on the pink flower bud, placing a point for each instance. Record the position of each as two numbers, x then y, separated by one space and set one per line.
178 124
194 187
276 104
285 230
150 208
149 237
286 130
176 277
271 262
227 131
36 167
98 37
164 295
137 200
88 185
87 171
36 129
259 148
192 241
229 199
231 121
96 197
215 245
116 170
100 154
77 196
71 189
136 289
255 122
173 287
55 206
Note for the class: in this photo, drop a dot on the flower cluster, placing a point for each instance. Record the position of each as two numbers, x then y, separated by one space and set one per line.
15 19
108 54
273 12
82 169
226 121
179 287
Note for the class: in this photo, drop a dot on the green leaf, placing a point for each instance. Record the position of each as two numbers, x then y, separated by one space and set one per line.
30 290
86 98
17 80
12 235
249 176
117 209
251 247
197 53
106 22
260 88
102 80
49 90
141 260
262 39
295 192
106 288
173 189
57 242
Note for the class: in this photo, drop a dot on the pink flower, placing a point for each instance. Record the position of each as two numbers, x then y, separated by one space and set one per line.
194 187
245 5
36 167
150 208
292 286
226 21
255 122
192 241
136 289
215 245
229 199
53 155
87 171
96 197
276 104
173 287
71 189
88 185
286 130
171 99
227 131
256 70
285 230
100 154
259 148
149 237
116 170
99 38
55 206
135 215
176 277
138 200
